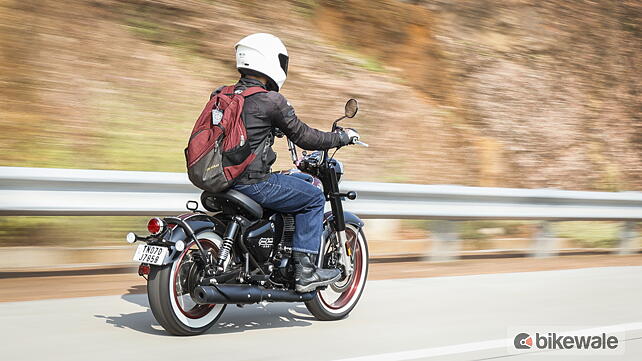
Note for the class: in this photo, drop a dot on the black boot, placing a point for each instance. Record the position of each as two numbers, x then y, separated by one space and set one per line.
308 277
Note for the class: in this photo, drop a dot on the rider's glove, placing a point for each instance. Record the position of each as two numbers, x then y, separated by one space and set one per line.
348 136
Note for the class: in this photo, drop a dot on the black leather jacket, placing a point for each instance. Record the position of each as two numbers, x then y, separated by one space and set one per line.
262 113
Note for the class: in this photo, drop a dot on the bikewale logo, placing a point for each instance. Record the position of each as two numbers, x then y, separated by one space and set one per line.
523 341
566 341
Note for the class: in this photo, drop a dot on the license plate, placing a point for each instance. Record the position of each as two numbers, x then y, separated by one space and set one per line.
150 254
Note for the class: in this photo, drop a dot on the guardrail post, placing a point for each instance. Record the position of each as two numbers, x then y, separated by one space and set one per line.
628 238
543 245
445 241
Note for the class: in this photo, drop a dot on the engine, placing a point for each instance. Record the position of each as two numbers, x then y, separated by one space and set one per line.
270 243
285 231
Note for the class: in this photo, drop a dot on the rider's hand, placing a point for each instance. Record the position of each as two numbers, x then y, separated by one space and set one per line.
348 136
352 134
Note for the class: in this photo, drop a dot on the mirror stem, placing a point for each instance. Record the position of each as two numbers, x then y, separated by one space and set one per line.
334 125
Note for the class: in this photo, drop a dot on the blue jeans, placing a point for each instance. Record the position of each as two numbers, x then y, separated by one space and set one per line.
290 194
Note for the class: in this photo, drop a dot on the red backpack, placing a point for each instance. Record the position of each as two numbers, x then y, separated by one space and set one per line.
218 150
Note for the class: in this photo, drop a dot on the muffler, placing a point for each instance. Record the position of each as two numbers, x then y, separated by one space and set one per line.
245 294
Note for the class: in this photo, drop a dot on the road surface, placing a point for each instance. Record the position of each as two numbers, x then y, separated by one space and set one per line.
440 318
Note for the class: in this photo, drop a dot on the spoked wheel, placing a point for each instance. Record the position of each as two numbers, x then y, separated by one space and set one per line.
338 299
169 290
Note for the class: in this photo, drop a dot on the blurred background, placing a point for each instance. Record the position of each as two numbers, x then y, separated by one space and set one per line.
492 93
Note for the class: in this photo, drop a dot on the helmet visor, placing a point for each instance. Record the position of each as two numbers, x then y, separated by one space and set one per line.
283 60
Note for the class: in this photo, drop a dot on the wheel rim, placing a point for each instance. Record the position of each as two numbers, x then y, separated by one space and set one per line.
347 289
183 279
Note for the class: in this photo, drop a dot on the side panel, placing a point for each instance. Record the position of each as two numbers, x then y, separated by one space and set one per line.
259 240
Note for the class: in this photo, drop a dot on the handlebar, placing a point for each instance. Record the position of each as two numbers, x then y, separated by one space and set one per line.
295 156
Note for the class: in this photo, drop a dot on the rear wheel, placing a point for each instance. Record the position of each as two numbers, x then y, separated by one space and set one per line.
169 290
338 299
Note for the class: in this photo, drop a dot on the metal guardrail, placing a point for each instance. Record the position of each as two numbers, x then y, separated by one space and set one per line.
53 191
49 191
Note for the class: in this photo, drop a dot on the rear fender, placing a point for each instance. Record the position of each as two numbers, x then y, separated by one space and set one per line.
197 223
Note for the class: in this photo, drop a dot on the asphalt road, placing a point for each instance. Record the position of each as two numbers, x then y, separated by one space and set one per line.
444 318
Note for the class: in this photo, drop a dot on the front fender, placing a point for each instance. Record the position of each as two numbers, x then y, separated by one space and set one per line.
349 217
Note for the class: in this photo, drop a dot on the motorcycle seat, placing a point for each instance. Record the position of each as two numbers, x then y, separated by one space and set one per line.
232 202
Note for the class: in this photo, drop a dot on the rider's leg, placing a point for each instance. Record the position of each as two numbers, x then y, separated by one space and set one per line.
288 194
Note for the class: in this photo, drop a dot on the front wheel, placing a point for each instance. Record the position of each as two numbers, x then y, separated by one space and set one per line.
169 289
338 299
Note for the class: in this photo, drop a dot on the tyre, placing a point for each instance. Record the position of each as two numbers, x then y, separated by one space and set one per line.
169 290
338 299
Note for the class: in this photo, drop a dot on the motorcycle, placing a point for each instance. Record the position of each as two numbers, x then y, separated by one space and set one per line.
237 252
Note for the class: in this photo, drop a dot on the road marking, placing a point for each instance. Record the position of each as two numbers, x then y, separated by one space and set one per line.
473 346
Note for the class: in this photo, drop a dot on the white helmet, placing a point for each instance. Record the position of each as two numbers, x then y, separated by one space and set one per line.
264 54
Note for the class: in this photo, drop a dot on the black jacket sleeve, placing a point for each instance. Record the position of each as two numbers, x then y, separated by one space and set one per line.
284 118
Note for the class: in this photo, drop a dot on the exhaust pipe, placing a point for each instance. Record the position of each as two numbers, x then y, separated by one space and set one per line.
245 294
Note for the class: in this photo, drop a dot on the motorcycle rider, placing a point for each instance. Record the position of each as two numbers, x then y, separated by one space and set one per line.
262 60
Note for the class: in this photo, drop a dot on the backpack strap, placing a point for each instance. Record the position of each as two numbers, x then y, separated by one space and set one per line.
261 150
261 153
252 90
229 91
225 89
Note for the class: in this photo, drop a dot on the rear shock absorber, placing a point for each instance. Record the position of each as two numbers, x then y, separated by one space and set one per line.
228 241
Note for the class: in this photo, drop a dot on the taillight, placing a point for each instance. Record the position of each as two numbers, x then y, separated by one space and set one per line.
155 225
143 270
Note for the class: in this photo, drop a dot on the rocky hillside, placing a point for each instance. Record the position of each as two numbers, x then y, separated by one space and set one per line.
477 92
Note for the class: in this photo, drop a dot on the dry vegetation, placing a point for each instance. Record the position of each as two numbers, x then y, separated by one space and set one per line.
539 94
518 93
492 93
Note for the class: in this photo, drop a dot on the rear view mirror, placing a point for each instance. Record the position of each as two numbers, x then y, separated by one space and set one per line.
351 108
